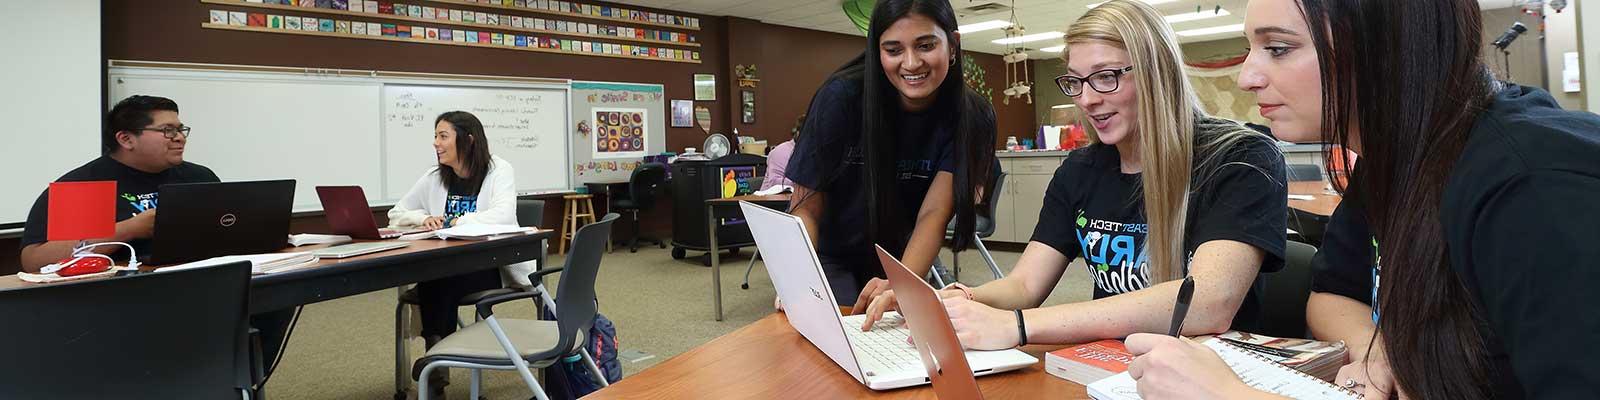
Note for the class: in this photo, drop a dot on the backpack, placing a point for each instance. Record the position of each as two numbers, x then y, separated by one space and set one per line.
569 378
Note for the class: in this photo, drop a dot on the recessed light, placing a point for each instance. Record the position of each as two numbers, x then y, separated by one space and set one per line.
1054 49
1196 16
1029 38
1212 30
1150 2
1064 106
983 26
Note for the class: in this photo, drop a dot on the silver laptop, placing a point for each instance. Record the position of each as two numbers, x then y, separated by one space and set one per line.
881 358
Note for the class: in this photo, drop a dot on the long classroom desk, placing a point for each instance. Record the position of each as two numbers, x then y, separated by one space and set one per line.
768 359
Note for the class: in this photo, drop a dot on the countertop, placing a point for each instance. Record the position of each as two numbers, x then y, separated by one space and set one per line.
1039 153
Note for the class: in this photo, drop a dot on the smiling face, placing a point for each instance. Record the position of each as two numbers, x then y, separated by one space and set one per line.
1116 114
916 56
1282 70
444 144
150 150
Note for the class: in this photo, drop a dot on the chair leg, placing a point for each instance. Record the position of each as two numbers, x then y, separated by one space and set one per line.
987 258
401 366
477 379
955 265
754 255
588 361
422 383
516 360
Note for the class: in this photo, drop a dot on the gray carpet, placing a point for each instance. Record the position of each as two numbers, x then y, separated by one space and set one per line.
342 349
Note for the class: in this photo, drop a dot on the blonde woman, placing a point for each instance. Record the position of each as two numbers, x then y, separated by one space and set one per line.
1166 191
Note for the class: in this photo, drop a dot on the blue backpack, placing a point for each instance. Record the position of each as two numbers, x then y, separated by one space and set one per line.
569 378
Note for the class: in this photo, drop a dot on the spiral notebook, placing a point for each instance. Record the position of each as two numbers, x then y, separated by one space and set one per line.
1255 370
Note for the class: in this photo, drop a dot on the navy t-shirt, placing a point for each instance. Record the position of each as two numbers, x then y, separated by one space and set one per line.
137 191
1093 210
828 159
461 199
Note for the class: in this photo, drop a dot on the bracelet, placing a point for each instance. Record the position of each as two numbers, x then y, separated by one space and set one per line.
1022 330
964 290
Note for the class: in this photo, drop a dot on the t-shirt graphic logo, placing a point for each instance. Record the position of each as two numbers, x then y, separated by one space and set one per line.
1113 252
141 202
456 205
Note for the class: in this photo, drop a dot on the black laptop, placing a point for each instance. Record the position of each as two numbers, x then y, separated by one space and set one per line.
197 221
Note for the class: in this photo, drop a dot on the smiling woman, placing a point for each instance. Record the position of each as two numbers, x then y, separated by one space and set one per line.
893 142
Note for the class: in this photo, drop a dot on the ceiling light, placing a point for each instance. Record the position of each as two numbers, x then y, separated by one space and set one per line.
1063 106
1054 49
983 26
1030 38
1150 2
1212 30
1196 16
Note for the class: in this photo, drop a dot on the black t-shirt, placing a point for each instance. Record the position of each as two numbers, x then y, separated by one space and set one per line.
1093 210
461 198
828 158
137 191
1520 232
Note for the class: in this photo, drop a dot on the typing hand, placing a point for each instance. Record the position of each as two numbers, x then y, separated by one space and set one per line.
1370 377
141 226
1168 367
980 327
874 287
886 301
433 223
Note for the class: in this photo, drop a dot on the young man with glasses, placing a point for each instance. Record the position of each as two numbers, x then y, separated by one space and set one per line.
141 149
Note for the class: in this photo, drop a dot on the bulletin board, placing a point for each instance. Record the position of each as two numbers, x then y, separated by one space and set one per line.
614 125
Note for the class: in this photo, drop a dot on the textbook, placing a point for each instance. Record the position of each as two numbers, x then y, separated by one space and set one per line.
1086 363
473 232
259 263
1255 370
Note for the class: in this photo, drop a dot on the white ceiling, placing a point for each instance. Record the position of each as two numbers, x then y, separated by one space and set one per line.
1035 15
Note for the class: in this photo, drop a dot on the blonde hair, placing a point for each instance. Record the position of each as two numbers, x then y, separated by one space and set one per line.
1168 111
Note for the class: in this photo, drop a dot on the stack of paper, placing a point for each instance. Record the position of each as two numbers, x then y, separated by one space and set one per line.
473 232
312 238
259 263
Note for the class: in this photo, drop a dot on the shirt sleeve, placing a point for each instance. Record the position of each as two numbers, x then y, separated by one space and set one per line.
36 229
1343 265
502 206
1060 213
832 122
1532 255
1245 200
412 209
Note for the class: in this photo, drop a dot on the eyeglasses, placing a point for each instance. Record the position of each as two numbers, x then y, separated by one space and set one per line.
1103 81
171 132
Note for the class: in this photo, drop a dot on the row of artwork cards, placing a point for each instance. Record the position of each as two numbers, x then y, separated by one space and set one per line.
310 24
591 10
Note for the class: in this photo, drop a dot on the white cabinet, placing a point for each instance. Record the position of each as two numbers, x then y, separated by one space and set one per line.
1023 195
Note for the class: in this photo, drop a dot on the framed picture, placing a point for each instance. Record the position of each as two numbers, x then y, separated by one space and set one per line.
682 113
620 132
705 87
747 102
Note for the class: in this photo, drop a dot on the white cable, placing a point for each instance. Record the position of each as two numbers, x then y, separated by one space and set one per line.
133 256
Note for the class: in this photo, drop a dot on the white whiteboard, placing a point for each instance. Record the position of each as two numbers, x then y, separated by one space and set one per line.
52 82
524 127
328 129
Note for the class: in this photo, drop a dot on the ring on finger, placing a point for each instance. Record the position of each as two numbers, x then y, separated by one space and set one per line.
1352 384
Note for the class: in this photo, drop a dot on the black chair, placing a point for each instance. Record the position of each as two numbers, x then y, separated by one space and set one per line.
641 195
1304 173
529 213
983 227
1285 292
524 345
172 335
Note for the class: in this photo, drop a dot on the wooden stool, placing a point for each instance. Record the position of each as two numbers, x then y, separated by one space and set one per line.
579 212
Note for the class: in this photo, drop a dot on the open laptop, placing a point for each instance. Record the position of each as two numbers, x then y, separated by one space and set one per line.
348 214
931 331
203 220
881 358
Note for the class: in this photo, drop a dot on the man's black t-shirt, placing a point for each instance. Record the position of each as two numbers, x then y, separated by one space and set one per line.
1520 233
137 191
827 158
1093 210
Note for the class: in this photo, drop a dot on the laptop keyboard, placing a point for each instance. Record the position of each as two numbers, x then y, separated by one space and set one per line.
883 349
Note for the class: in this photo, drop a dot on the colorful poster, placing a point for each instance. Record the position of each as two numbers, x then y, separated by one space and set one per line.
620 132
736 182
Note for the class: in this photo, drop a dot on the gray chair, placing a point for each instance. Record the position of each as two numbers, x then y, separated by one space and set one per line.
529 213
170 335
1304 173
1285 293
983 228
523 345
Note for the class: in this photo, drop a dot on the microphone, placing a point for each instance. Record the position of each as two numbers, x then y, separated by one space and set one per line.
1505 39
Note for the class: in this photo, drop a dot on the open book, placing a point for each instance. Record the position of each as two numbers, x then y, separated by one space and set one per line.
473 232
1256 371
259 263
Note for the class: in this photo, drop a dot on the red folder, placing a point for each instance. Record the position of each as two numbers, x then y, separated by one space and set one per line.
82 210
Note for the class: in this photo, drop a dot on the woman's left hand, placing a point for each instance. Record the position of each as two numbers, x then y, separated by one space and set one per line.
1172 368
980 327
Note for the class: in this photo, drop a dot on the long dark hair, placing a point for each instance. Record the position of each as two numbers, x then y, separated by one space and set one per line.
972 115
1408 75
472 147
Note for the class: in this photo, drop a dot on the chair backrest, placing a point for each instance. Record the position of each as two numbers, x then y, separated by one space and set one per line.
644 181
575 298
1304 173
176 335
991 198
1284 296
530 212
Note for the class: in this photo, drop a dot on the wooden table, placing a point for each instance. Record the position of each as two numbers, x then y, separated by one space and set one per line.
1322 204
776 201
768 359
330 279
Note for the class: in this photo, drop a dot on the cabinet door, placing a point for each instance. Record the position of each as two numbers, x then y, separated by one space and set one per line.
1027 200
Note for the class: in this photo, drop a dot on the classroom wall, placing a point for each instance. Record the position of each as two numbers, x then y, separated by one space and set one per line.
1524 58
1589 49
1561 37
1047 95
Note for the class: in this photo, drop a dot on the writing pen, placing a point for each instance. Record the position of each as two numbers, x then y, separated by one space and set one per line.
1181 310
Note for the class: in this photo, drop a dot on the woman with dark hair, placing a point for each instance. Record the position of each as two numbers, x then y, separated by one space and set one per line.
1464 242
893 146
469 186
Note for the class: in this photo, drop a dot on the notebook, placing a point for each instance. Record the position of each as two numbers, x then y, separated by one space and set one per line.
1256 371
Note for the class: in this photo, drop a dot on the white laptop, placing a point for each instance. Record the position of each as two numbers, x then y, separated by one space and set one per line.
881 358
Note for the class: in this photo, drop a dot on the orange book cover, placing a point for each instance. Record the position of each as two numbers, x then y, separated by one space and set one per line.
1110 355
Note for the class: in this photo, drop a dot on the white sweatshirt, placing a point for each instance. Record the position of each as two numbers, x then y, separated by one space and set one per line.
497 205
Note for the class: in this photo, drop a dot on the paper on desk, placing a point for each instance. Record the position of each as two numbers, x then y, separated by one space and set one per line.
259 263
472 232
303 239
775 189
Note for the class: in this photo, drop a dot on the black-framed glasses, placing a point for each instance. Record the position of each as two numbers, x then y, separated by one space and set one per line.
171 132
1103 81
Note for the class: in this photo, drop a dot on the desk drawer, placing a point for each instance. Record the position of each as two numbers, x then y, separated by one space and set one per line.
1035 165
